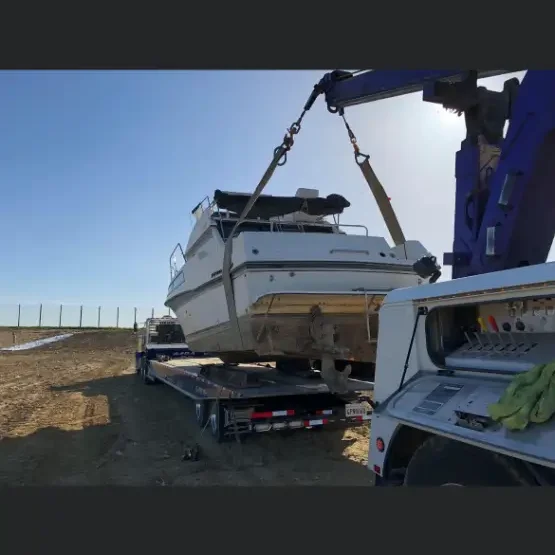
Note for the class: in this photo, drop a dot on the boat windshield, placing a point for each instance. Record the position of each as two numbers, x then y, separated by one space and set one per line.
225 226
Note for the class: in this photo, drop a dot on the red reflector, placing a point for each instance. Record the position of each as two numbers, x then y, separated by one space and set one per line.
377 469
261 415
380 444
271 414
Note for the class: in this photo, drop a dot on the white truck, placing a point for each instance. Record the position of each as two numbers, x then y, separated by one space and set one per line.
441 364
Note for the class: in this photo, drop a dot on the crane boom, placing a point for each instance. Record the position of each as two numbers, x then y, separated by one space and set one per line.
343 89
504 182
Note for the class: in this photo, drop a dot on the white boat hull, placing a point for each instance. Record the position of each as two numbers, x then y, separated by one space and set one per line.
296 294
284 312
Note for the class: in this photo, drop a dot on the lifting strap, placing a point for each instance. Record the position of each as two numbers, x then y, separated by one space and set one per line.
279 159
377 189
382 200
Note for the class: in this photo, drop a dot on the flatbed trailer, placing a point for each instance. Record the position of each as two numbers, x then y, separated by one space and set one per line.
236 400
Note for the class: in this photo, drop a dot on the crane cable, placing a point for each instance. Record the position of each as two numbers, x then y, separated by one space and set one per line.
280 159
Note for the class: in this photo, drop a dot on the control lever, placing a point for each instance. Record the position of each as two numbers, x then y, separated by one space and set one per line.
467 337
521 326
474 331
484 330
507 329
493 325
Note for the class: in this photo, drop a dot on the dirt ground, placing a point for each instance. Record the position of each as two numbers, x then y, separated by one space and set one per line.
75 413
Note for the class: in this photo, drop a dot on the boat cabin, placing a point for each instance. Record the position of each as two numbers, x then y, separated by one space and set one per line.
305 212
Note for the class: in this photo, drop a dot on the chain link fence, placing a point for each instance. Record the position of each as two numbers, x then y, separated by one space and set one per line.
49 315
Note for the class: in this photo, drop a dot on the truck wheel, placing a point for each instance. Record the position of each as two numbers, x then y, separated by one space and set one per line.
201 412
443 462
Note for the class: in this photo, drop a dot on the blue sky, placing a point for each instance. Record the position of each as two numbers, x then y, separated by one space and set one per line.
100 170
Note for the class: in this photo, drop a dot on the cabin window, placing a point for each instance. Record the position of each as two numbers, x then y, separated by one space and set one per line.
226 226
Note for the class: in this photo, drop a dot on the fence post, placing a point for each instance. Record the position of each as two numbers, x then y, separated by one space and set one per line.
117 317
81 316
40 315
60 317
18 314
99 316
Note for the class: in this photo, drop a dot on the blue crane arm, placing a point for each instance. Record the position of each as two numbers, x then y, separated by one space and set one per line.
505 184
343 89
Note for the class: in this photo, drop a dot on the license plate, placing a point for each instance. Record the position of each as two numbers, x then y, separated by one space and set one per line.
355 409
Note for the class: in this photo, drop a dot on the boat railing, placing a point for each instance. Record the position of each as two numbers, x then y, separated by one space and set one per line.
359 226
278 224
201 207
174 267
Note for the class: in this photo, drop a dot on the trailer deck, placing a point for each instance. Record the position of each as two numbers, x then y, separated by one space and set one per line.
210 379
237 400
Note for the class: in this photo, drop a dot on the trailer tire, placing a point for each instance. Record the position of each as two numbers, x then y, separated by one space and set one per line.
145 376
202 412
215 421
444 462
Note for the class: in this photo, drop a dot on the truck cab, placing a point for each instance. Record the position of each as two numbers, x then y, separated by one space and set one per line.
161 339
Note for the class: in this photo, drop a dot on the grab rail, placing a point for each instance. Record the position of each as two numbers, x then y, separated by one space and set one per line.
276 225
173 268
354 225
204 205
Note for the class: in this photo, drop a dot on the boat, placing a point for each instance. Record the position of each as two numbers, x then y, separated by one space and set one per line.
298 284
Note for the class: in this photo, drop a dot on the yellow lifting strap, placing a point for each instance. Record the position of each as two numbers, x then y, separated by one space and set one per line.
279 159
382 199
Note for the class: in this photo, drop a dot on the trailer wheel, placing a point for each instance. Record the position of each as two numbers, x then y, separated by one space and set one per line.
443 462
215 421
202 412
145 375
